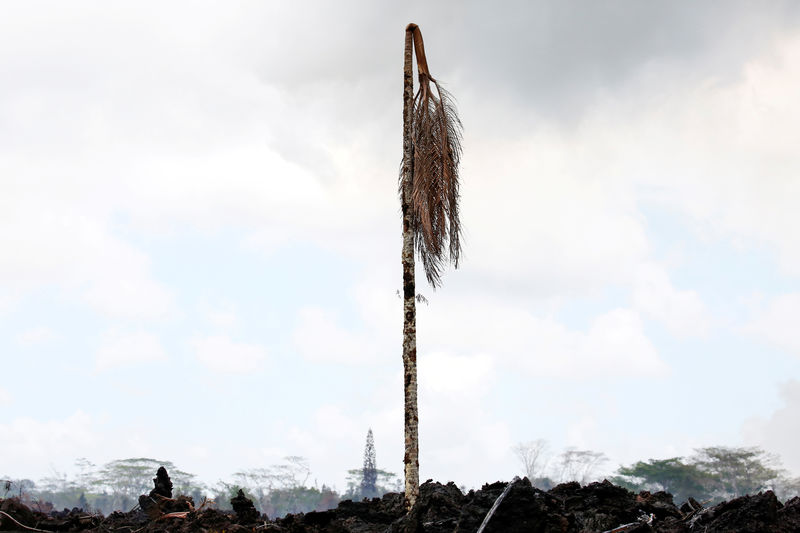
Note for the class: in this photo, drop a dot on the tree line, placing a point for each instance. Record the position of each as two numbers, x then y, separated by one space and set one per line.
713 474
275 490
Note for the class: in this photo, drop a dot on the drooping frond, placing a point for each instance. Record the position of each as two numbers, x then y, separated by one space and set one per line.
436 133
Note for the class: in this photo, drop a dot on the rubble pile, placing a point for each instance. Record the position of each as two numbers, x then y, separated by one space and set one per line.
567 508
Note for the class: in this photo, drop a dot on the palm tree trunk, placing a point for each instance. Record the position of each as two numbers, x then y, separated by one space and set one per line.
411 458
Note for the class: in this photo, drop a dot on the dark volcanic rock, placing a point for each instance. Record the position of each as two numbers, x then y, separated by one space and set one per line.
20 512
437 510
598 506
750 514
153 503
73 520
163 484
245 510
567 508
524 509
790 513
208 520
659 504
365 516
159 501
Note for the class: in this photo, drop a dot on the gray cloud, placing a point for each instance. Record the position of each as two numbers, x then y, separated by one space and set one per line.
780 431
551 57
555 56
341 61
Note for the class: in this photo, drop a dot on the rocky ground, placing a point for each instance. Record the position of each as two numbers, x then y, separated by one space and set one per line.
567 508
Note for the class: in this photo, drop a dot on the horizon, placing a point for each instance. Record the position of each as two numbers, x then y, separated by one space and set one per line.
394 479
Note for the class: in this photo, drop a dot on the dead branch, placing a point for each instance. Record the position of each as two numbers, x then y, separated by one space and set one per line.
646 519
22 525
497 504
205 502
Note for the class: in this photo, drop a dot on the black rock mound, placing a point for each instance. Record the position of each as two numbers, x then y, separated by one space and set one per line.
568 508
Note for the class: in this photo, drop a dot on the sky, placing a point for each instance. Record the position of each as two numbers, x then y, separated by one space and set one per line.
200 234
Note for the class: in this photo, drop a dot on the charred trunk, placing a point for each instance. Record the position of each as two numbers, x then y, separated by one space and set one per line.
411 458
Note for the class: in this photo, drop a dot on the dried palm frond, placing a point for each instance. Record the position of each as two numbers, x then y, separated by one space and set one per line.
436 135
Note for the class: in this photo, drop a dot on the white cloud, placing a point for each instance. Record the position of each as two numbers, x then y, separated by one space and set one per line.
613 345
33 443
128 348
5 397
319 337
223 317
560 211
132 298
780 431
379 302
547 222
220 354
455 426
732 168
50 242
447 445
36 335
199 453
777 324
682 311
444 373
9 299
40 445
583 433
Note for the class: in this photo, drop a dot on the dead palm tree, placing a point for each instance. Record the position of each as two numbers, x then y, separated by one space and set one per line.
429 199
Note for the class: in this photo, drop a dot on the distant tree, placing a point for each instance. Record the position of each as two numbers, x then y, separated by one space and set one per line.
579 465
329 498
715 473
369 481
735 472
115 486
280 502
293 472
25 486
672 475
280 487
129 478
60 490
185 484
124 480
429 196
87 476
786 488
223 492
531 455
83 503
19 487
56 482
369 475
385 482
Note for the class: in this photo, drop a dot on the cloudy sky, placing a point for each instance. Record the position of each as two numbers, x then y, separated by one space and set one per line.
200 234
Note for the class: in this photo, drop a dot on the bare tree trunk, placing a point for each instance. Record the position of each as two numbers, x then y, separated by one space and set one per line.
411 459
